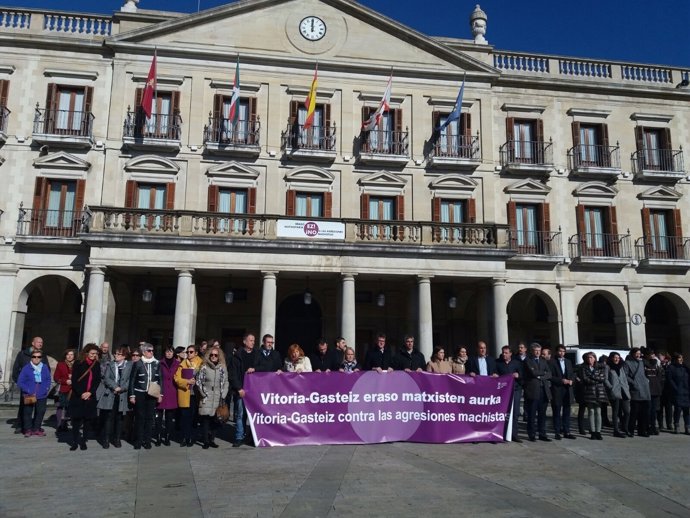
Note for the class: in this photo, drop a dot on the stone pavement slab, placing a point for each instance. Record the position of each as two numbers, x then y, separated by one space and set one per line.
628 478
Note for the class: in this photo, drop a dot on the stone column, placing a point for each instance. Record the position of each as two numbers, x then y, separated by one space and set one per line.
7 352
635 333
93 312
500 316
268 304
426 329
568 316
182 335
347 315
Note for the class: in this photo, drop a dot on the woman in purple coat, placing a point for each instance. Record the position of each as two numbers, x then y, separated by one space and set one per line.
166 408
34 380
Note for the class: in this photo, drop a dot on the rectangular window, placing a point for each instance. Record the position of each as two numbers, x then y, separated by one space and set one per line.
57 207
659 235
232 201
526 227
60 210
151 196
594 228
590 149
388 137
239 130
309 205
68 110
452 212
523 143
319 135
382 209
164 122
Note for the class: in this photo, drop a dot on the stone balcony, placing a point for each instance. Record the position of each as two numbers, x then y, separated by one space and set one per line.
658 164
55 23
663 252
601 250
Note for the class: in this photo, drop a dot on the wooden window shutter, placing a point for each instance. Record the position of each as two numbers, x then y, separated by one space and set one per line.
174 103
39 204
52 97
217 107
213 193
435 120
88 99
4 91
604 136
290 202
251 102
580 217
466 124
545 217
79 196
539 130
512 215
613 221
471 210
510 128
639 138
364 206
294 110
138 96
646 223
544 238
130 191
436 209
575 126
666 139
400 215
251 200
366 113
677 229
327 116
397 120
170 196
328 204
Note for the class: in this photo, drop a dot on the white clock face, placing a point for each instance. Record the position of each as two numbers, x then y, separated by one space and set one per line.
312 28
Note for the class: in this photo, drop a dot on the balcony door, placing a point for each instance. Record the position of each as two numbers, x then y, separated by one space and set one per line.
452 213
68 110
151 196
598 231
57 207
233 201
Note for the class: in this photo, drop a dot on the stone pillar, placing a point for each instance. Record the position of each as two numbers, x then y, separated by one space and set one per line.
93 312
182 330
500 316
635 333
7 342
426 328
268 304
568 316
347 315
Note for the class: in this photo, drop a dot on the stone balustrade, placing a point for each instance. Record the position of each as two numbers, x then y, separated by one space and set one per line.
55 22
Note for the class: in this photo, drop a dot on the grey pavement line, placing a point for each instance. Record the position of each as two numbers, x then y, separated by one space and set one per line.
317 493
166 485
631 481
478 484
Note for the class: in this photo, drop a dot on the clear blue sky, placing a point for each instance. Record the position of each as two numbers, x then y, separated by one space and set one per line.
642 31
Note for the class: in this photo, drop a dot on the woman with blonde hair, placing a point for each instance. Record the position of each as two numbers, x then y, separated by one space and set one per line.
185 380
296 361
212 383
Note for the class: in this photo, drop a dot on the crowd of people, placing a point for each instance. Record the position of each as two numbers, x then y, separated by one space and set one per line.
187 394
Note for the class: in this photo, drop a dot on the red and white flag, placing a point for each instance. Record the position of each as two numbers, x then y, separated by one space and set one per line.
235 99
149 89
384 106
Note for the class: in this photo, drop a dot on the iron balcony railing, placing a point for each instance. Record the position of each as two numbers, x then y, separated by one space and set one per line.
63 122
589 155
264 227
321 138
600 245
457 146
663 247
4 117
386 142
49 223
158 126
661 160
528 152
536 242
226 132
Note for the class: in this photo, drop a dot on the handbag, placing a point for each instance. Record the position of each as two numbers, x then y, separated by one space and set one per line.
29 399
223 412
154 389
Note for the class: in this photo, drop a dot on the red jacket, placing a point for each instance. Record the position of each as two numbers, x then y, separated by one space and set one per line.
62 373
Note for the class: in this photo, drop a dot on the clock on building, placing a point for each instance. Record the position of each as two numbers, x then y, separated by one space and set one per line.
312 28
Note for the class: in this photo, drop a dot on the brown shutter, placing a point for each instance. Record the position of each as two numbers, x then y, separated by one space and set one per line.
86 116
253 136
466 130
435 120
175 118
4 91
213 192
328 204
39 204
544 242
251 102
539 130
365 230
366 113
613 221
471 210
605 156
436 210
580 217
510 128
512 223
138 113
251 208
78 205
138 96
646 223
400 215
678 235
545 218
294 110
576 133
639 138
397 115
170 196
130 190
327 116
174 103
666 138
216 118
52 97
290 202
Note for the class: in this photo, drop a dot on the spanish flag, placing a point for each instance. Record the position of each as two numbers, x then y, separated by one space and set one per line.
310 101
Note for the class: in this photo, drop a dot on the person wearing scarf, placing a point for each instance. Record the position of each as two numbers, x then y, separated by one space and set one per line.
349 362
212 383
86 378
63 377
34 379
458 364
145 373
619 395
112 397
168 405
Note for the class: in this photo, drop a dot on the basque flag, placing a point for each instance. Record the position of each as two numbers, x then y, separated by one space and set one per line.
235 99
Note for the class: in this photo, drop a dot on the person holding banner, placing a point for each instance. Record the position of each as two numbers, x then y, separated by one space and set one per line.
459 363
296 361
408 358
508 365
438 362
379 358
243 363
324 360
537 386
349 363
268 359
482 364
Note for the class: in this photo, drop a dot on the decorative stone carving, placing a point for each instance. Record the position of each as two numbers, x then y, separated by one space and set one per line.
478 21
130 6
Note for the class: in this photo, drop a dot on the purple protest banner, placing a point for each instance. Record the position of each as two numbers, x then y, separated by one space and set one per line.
372 407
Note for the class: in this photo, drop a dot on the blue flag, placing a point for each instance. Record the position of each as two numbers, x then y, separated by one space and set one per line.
455 114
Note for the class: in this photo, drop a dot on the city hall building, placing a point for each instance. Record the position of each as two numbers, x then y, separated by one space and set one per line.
554 209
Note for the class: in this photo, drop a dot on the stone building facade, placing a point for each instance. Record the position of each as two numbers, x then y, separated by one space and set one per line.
555 209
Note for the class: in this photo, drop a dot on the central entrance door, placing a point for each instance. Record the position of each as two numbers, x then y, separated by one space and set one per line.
298 323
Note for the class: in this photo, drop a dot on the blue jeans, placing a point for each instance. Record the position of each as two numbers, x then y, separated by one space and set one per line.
239 419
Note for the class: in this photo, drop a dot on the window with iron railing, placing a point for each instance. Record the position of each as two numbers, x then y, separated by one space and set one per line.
67 112
228 126
319 135
388 137
165 120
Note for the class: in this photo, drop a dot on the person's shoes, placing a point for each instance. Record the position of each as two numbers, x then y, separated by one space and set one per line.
82 445
205 446
544 438
654 431
166 440
582 431
569 436
40 432
212 444
645 434
619 434
517 439
137 446
28 433
237 444
105 444
557 437
593 436
73 446
147 445
117 443
190 443
630 434
599 437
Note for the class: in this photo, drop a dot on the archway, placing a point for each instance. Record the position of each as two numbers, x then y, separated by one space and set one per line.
532 317
601 320
663 313
297 322
53 312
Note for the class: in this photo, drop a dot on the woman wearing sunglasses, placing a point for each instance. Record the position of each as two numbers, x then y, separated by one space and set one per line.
145 393
186 398
34 380
212 383
112 401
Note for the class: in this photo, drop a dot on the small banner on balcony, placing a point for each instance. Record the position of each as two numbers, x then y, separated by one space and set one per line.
371 407
311 229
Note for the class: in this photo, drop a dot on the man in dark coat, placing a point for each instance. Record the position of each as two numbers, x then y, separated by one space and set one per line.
324 360
243 363
482 364
408 358
562 379
537 386
268 359
508 365
379 358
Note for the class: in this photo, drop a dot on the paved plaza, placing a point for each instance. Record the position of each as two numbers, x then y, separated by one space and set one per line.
613 478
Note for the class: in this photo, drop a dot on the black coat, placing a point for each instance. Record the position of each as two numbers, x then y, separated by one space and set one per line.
537 377
378 359
473 365
558 389
593 383
242 361
513 366
84 408
677 378
270 362
142 375
324 362
409 360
